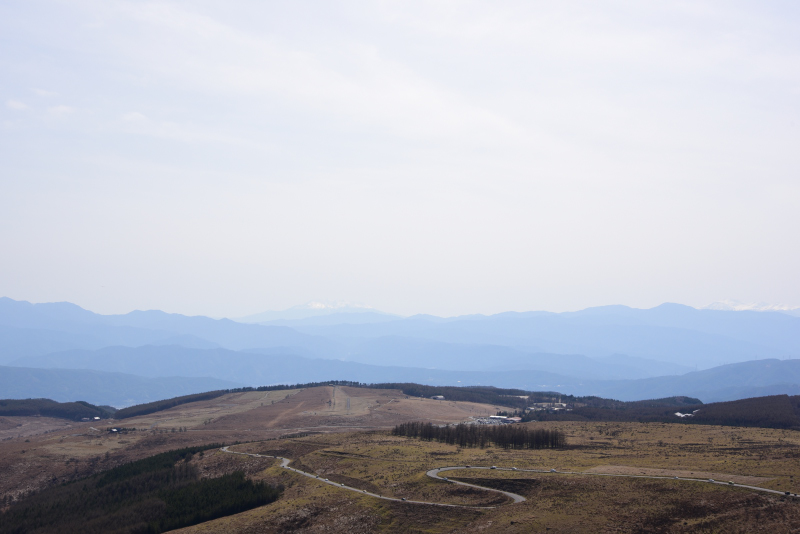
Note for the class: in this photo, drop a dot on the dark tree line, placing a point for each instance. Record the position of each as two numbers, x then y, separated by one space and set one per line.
304 385
505 436
50 408
775 411
149 496
157 406
157 462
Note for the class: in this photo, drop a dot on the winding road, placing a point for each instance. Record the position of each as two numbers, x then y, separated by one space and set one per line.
285 464
434 473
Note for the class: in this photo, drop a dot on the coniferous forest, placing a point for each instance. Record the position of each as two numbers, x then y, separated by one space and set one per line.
166 404
463 435
50 408
775 411
153 495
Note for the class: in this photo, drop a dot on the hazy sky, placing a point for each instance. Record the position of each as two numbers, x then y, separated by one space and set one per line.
226 158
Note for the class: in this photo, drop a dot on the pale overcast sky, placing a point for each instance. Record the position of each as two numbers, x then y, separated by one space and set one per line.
226 158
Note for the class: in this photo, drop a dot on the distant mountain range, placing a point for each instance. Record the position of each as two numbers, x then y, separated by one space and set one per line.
668 333
321 313
726 382
232 369
611 351
34 329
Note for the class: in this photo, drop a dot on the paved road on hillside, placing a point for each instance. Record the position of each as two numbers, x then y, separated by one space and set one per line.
434 473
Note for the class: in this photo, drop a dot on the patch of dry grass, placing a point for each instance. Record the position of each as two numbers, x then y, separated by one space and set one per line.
396 466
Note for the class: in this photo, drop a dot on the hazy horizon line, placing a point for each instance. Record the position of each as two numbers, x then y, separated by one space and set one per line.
722 305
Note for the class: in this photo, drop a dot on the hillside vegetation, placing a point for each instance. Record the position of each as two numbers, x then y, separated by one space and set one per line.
516 399
505 436
157 406
50 408
775 411
153 495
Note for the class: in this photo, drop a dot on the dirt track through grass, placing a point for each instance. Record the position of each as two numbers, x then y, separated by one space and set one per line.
435 474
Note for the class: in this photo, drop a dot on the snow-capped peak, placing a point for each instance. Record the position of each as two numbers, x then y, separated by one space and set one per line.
735 305
336 305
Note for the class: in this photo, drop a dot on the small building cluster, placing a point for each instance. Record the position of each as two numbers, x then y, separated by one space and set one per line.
549 407
495 420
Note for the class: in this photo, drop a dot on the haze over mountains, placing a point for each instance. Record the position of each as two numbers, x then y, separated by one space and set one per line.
114 389
613 351
735 305
321 313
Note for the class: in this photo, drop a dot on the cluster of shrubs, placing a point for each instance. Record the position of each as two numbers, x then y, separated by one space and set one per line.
505 436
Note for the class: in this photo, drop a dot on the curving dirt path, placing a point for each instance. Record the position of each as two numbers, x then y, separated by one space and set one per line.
285 464
434 473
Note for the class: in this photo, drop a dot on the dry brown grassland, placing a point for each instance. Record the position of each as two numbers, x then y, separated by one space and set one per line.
355 447
393 466
36 452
